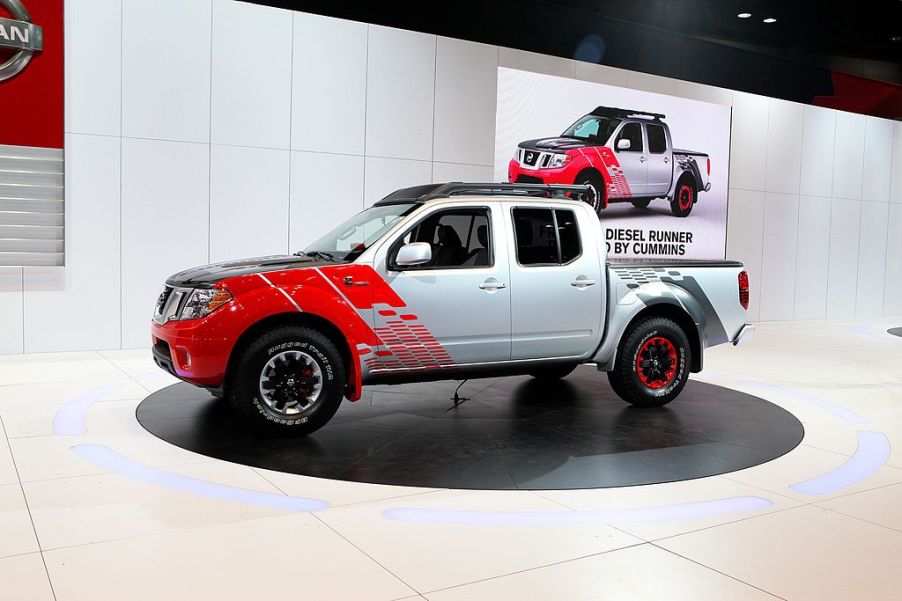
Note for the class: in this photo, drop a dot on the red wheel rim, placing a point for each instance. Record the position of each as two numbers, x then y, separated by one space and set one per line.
685 197
656 362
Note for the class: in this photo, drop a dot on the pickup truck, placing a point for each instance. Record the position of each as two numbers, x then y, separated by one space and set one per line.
443 281
623 155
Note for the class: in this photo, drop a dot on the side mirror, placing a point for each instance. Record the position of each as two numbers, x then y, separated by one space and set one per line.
623 144
415 253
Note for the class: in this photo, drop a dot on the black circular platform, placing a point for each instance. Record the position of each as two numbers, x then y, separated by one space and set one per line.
510 433
895 331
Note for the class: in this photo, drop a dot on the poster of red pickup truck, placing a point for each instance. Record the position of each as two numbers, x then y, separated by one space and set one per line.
658 164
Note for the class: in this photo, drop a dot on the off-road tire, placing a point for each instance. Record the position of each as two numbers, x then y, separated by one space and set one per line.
634 379
244 391
684 197
595 180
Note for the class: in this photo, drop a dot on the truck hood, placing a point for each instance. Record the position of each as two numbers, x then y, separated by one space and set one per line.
207 275
553 144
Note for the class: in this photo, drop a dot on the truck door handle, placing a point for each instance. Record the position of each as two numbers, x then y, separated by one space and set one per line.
642 159
666 159
582 282
492 284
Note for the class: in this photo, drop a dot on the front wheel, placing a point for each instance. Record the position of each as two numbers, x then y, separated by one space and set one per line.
596 183
652 364
288 382
683 198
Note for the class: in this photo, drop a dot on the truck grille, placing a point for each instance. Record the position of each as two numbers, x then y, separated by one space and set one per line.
533 159
165 293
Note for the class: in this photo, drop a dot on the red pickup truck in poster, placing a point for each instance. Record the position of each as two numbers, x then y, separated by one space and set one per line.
624 155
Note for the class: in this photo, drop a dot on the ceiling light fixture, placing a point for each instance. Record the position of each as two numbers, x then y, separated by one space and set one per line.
744 15
770 20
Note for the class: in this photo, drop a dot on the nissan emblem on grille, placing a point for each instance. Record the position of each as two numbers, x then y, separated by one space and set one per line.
18 34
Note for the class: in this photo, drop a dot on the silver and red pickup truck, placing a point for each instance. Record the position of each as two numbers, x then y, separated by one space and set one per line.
623 155
444 281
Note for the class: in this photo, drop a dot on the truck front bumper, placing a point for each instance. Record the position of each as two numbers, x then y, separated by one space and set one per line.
191 351
565 175
745 335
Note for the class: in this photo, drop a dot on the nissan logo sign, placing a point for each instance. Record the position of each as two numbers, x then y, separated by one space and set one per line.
20 35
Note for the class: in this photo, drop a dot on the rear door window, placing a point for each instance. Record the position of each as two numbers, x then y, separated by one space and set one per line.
657 139
546 236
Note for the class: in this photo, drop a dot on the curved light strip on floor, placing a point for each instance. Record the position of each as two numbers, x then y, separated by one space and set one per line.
868 332
684 511
108 458
70 420
872 453
839 411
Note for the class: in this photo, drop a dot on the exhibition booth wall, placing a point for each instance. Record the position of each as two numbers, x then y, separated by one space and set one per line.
200 131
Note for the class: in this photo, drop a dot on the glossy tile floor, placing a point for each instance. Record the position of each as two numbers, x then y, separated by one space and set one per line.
92 507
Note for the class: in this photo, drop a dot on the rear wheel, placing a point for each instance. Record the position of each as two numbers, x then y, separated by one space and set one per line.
683 197
552 372
596 183
652 365
288 382
641 203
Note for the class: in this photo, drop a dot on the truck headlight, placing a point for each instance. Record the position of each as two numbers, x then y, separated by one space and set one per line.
558 160
204 301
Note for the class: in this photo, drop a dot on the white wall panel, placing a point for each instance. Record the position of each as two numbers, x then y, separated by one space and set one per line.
543 63
466 80
704 93
784 146
248 202
11 324
842 274
892 291
748 142
383 176
780 240
848 155
896 177
878 159
651 83
745 227
818 137
871 259
601 74
165 224
400 93
76 307
251 75
811 257
317 204
329 85
166 69
93 66
453 172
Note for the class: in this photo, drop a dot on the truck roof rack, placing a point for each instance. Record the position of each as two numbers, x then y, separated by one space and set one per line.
618 113
429 192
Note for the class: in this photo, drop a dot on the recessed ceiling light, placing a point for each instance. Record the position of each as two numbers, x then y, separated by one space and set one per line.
770 20
744 15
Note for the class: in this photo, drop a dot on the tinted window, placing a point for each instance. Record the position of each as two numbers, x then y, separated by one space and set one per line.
459 238
657 140
568 232
546 237
633 133
355 235
593 129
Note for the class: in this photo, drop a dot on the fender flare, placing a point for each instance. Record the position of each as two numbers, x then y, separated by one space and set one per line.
648 297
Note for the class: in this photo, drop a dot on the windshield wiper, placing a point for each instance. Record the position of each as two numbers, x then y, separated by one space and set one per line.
320 254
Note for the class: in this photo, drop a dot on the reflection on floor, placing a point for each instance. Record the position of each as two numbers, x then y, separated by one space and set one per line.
148 520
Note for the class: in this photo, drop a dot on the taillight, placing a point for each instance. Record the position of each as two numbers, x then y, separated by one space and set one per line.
744 290
709 165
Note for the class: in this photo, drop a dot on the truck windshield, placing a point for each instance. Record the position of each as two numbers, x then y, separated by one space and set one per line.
592 128
347 241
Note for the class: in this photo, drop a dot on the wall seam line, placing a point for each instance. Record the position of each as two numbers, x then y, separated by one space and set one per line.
830 234
434 85
210 147
366 107
290 127
889 210
121 165
764 209
795 279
